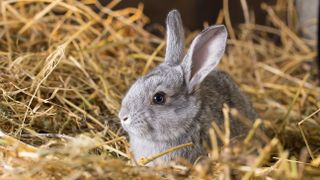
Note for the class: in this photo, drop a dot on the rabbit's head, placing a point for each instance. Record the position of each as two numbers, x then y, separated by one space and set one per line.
163 104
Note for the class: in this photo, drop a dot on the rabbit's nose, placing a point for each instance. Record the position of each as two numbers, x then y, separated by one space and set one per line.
124 116
126 120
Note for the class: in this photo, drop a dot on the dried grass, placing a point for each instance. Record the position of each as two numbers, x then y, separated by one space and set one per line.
64 69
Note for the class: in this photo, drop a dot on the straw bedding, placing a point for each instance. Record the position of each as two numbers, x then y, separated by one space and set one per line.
65 67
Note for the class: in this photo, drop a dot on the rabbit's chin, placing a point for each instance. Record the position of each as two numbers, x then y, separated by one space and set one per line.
136 131
169 134
139 132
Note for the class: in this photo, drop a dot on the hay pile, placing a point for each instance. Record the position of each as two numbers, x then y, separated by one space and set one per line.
64 68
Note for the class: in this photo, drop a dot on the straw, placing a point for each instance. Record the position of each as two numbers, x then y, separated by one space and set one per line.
64 69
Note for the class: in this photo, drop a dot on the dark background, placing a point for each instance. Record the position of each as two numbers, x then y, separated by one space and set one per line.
195 12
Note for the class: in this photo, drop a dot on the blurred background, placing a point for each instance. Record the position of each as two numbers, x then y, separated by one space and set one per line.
196 12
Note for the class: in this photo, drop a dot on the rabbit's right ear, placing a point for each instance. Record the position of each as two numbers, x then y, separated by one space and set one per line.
175 39
204 55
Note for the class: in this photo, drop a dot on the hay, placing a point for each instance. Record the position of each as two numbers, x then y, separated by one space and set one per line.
65 67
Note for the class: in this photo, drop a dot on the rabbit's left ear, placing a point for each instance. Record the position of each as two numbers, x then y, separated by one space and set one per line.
175 38
204 55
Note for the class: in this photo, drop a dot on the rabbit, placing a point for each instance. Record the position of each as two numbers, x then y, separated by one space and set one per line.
177 101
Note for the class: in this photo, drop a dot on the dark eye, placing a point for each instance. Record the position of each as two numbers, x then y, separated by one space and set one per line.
159 98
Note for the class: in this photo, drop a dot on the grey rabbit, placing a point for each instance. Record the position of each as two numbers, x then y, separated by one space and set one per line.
177 101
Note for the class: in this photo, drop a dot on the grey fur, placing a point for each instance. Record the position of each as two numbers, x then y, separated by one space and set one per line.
175 38
195 94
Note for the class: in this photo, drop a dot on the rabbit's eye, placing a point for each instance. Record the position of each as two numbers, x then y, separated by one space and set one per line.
159 98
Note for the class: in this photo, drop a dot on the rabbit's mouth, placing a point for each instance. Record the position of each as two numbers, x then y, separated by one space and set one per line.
137 128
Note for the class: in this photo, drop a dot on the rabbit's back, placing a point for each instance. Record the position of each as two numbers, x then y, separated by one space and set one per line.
219 88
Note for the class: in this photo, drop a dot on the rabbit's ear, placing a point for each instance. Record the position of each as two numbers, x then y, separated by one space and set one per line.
204 55
175 38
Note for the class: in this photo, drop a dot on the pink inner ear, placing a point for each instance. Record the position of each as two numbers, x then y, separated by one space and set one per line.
199 57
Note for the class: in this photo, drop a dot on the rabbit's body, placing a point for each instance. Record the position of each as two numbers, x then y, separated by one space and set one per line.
177 101
218 89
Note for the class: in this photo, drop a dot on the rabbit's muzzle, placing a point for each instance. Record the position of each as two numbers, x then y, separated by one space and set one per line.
134 123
